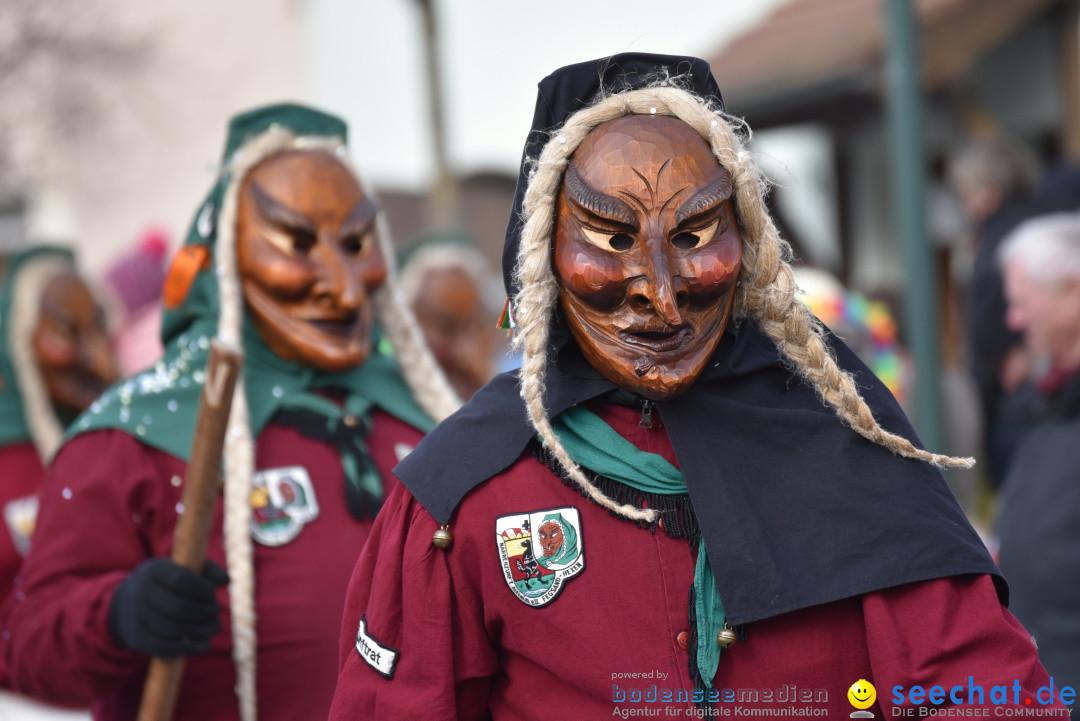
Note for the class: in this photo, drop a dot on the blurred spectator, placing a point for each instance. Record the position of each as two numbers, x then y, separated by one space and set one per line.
995 181
55 359
448 285
1039 528
132 285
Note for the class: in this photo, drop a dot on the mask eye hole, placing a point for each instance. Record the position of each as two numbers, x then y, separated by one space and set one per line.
686 240
303 241
356 244
608 240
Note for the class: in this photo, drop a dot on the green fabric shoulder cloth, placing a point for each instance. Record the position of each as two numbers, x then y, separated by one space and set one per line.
595 445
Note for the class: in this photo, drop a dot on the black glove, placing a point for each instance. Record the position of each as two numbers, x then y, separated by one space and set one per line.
163 609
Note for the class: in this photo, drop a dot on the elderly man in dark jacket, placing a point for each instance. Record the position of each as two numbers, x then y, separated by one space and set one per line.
1039 532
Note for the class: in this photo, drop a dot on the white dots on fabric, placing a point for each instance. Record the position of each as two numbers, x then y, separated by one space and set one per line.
66 494
175 480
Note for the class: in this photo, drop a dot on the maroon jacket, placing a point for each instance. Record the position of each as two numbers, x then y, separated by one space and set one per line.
439 634
107 503
20 477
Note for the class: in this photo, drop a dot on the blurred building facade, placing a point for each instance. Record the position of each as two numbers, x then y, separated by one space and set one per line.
817 68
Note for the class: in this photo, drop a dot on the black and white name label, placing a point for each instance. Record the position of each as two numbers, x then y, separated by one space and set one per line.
381 658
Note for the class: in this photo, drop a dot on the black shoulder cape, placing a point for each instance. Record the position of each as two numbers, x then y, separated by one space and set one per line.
795 508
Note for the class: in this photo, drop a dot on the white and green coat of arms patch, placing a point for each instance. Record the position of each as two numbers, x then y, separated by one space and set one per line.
540 551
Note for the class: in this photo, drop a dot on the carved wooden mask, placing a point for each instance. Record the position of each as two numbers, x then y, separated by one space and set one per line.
71 345
647 252
461 336
308 259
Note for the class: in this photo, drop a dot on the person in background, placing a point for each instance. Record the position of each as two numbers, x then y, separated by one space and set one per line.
133 285
995 179
1039 527
289 259
55 360
447 283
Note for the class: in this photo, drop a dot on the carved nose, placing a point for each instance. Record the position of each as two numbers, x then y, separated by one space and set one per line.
99 358
336 281
658 289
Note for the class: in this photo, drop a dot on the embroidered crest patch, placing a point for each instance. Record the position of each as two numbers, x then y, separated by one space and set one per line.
20 516
540 551
282 502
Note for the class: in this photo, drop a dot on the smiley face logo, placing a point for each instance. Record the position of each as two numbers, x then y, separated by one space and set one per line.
862 694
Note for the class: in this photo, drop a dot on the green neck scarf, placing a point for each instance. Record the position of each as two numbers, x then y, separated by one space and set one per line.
158 406
595 445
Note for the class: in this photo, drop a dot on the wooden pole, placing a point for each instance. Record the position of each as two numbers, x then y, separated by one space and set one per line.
444 191
201 488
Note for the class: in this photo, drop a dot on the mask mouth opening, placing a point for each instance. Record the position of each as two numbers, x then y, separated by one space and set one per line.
659 340
341 325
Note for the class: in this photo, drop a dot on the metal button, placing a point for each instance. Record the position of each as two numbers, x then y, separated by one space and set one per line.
349 420
683 639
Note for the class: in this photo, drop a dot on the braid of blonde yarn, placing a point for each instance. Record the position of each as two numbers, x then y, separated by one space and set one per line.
239 451
766 292
422 373
539 292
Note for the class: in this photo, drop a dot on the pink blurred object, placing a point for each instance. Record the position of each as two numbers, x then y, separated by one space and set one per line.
134 283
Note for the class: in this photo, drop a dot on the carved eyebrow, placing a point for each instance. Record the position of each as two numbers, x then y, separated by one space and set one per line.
360 218
707 198
278 214
603 205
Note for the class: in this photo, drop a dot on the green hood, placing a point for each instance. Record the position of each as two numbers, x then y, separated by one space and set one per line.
15 425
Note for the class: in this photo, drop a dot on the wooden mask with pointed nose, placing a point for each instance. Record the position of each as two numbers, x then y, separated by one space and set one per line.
308 259
647 252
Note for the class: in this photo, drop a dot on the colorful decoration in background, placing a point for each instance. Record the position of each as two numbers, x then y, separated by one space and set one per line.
865 325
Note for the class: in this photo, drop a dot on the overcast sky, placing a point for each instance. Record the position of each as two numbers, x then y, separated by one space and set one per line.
494 52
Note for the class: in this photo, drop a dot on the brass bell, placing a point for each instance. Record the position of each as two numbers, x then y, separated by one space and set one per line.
442 537
726 638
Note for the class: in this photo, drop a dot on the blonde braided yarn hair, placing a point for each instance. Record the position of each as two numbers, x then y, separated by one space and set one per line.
765 293
422 374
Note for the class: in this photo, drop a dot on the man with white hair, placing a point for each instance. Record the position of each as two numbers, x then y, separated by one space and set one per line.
1040 541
